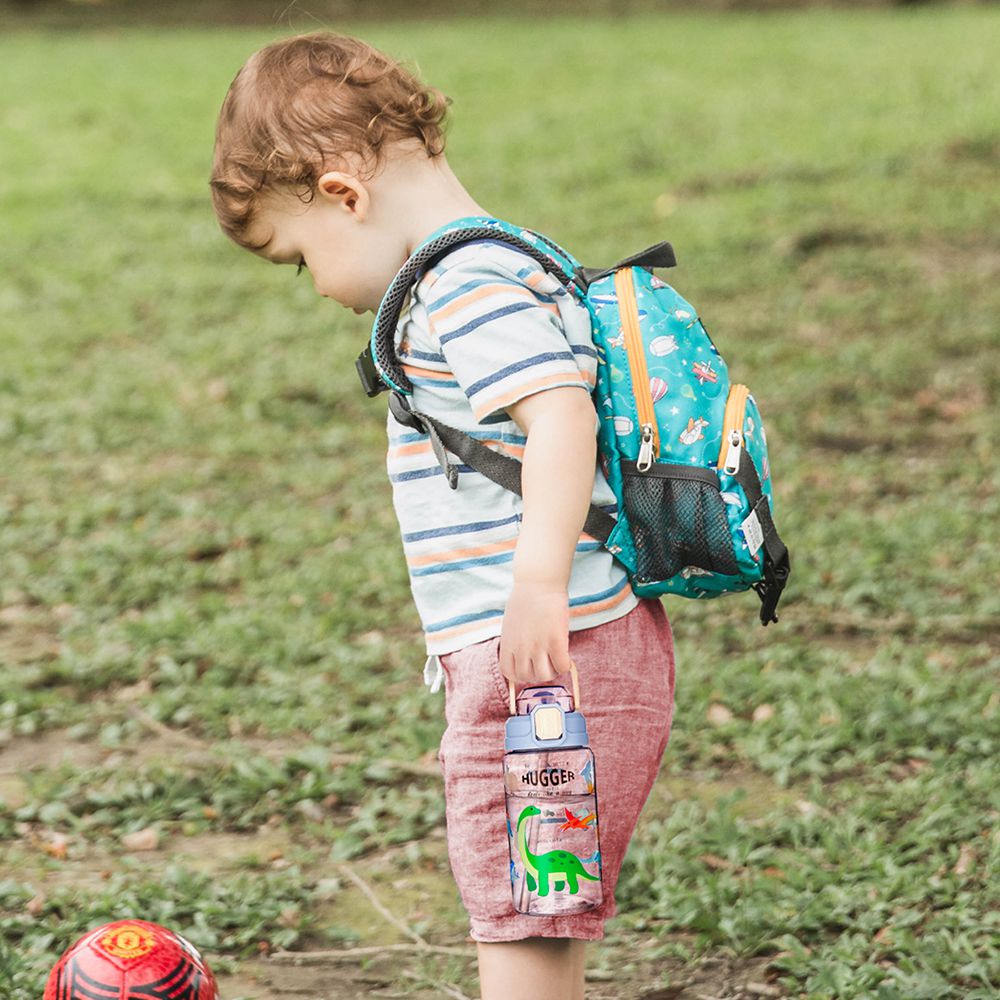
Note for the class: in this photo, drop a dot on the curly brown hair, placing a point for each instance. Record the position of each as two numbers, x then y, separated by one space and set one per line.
301 106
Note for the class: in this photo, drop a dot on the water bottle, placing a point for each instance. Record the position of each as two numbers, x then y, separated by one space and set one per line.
551 794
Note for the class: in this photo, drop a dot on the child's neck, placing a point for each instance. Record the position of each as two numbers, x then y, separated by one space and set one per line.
422 194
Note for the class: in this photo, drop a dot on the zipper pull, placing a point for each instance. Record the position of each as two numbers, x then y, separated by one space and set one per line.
732 465
645 459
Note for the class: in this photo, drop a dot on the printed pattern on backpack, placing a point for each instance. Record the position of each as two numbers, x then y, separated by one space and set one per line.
663 393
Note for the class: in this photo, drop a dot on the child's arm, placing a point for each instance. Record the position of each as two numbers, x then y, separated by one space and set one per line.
557 480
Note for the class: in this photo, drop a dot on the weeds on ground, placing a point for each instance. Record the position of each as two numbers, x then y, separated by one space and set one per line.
197 538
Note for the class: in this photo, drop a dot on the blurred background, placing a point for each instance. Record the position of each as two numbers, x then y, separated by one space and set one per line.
89 12
211 710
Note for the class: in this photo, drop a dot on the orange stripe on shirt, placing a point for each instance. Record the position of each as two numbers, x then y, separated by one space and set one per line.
537 278
586 609
502 402
591 609
431 373
485 291
455 555
514 450
423 447
404 450
449 633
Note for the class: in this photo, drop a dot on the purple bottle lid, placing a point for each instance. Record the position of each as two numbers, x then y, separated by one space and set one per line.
545 721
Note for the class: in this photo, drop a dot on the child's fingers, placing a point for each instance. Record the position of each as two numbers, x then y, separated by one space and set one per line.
520 666
507 662
524 670
532 666
560 660
542 670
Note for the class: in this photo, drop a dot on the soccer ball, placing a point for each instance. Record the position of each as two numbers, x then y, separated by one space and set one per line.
131 960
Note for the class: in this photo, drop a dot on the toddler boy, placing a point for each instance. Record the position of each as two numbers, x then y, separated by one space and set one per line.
330 156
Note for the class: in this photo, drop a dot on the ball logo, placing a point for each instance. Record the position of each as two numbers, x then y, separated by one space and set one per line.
128 941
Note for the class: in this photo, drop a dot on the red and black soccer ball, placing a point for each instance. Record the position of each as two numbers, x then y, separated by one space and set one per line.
131 960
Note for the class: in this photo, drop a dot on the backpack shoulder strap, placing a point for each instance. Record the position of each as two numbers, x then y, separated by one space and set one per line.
500 469
378 367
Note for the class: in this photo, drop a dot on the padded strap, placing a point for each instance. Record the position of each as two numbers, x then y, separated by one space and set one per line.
378 363
501 469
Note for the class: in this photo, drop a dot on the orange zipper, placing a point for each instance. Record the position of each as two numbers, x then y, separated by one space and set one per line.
732 428
628 311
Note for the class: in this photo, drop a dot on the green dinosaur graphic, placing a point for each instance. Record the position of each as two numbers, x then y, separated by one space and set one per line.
538 867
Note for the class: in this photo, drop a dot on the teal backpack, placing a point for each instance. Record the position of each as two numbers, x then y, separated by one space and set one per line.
682 448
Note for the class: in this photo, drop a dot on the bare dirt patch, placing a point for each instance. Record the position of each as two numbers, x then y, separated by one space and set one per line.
46 752
28 633
260 981
49 862
942 264
637 976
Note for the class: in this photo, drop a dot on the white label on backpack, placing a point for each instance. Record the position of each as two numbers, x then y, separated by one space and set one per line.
752 533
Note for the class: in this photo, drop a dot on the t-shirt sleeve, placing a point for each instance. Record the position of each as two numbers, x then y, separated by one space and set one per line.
500 331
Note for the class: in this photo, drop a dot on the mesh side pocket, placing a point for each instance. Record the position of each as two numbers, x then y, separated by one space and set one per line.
678 519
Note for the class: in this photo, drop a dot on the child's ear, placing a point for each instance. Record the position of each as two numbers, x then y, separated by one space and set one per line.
344 191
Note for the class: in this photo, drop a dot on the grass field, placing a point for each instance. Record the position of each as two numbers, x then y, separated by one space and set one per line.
205 626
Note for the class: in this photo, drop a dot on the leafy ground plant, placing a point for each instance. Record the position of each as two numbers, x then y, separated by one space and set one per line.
210 706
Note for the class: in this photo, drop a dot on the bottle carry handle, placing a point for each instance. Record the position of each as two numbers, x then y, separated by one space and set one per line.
576 690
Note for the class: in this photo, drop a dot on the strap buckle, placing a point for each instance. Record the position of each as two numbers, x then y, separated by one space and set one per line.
371 380
399 407
769 589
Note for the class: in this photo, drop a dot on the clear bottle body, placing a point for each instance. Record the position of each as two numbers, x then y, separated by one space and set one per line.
555 855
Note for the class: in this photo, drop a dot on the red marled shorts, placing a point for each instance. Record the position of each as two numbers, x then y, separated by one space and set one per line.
626 672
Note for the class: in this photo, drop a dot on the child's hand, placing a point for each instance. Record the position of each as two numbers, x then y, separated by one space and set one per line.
534 642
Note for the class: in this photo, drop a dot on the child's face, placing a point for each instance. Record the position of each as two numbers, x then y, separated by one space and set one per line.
351 258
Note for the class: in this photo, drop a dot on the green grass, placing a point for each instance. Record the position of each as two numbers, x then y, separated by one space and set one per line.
194 522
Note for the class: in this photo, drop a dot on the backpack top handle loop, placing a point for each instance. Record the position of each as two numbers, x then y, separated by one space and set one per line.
658 255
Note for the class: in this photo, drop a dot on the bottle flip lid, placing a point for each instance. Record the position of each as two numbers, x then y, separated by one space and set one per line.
546 718
548 727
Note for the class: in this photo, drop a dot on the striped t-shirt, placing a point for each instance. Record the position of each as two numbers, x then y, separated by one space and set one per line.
486 327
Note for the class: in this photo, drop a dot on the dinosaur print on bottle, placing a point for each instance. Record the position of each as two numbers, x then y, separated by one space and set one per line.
564 869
